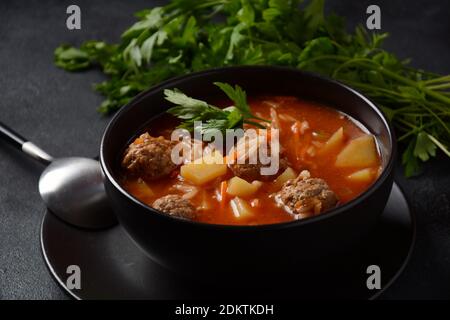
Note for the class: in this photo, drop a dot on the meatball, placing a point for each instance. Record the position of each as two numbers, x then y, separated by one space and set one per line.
149 158
252 171
305 196
175 205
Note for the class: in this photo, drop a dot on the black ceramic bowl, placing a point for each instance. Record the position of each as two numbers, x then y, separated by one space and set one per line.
227 251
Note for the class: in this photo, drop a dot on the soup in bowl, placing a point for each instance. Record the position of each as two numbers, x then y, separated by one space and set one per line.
325 159
217 213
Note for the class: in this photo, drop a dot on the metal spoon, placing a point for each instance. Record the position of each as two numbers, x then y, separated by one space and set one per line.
72 188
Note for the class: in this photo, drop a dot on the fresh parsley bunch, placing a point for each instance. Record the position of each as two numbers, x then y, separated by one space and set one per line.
191 35
212 118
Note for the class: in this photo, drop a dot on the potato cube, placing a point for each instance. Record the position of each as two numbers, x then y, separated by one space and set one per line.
206 170
142 188
360 152
241 188
364 175
241 209
288 174
212 158
334 142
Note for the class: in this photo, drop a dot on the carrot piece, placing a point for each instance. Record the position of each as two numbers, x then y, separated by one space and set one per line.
223 193
231 158
269 135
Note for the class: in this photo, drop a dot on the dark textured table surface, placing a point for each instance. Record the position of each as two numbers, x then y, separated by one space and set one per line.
56 110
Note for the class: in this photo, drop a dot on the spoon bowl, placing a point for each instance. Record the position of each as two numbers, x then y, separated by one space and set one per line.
73 189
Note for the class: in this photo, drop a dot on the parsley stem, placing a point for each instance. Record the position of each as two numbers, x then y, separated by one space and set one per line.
414 84
374 88
439 86
439 144
414 131
437 80
406 123
346 64
256 124
438 119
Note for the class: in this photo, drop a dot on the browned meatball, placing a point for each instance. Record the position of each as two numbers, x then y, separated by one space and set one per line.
175 205
252 172
305 196
149 158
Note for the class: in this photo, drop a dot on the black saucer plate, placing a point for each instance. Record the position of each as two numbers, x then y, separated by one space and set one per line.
112 267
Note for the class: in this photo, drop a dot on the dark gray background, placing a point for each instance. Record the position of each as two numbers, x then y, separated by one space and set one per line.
57 110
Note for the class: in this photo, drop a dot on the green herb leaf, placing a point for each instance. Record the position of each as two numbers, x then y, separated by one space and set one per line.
409 161
237 95
213 118
425 148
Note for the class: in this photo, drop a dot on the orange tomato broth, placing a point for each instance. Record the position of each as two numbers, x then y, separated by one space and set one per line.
323 122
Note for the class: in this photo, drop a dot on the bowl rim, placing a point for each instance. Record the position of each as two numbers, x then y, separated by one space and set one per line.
342 209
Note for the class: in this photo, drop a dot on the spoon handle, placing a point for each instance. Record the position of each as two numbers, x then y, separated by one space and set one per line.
19 142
